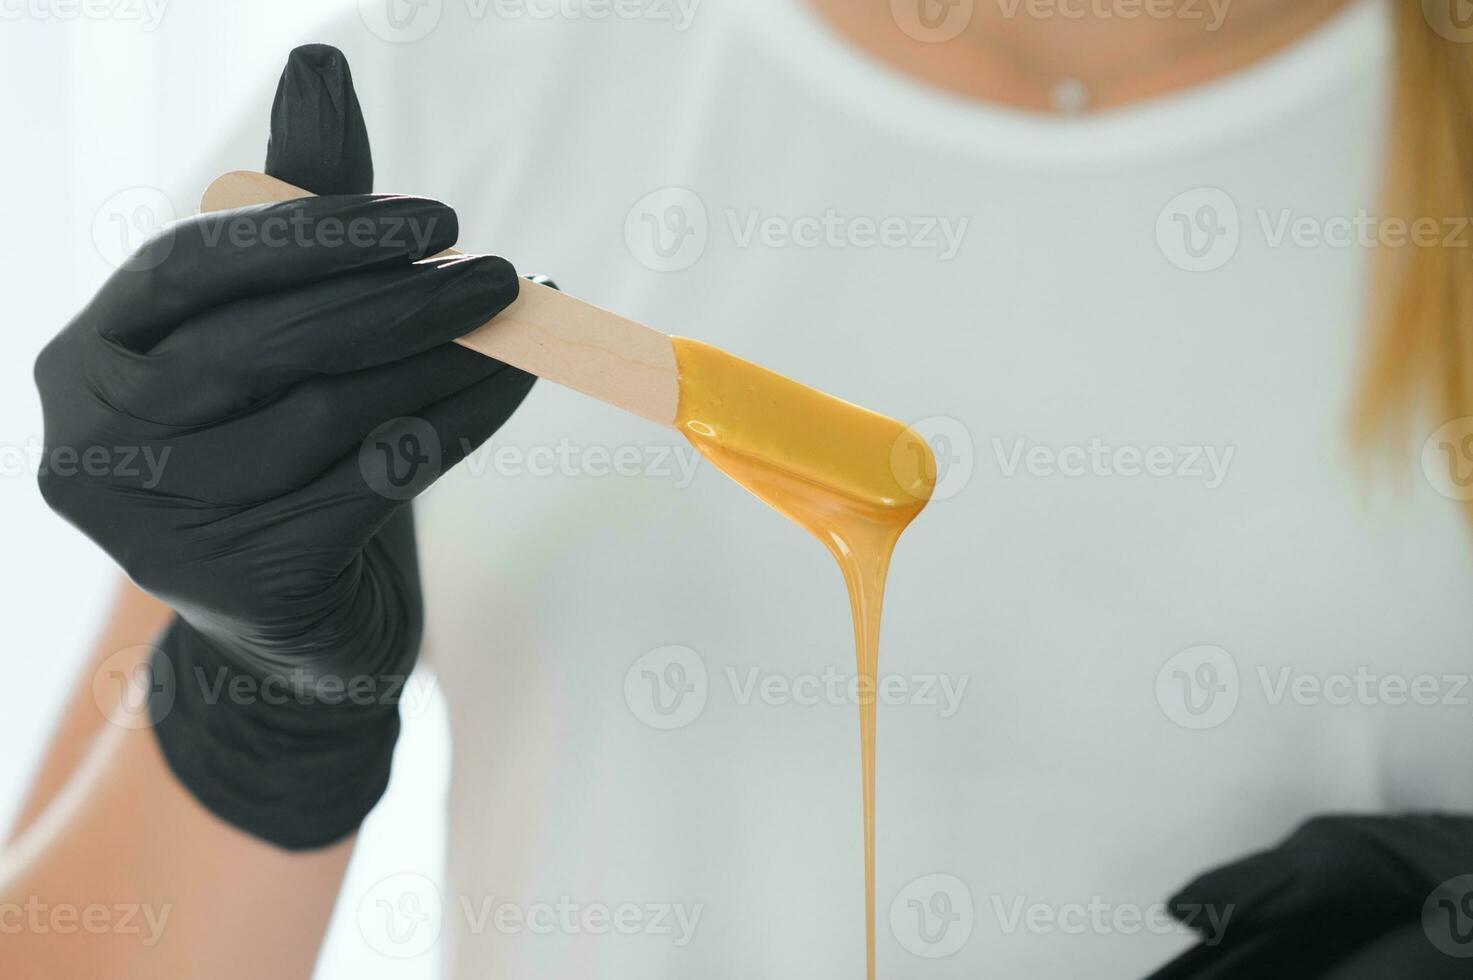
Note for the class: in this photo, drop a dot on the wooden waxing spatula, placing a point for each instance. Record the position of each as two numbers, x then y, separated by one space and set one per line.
545 332
729 406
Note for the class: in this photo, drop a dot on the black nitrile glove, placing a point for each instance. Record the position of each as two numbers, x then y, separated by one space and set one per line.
287 370
1342 897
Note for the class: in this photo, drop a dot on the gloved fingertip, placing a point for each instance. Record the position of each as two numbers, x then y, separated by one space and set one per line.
318 139
476 286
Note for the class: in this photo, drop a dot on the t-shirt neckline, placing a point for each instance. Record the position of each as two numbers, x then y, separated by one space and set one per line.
1348 44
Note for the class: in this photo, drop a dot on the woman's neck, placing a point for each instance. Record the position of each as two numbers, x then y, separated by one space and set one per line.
1051 55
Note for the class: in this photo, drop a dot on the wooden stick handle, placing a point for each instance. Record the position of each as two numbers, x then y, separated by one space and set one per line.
545 332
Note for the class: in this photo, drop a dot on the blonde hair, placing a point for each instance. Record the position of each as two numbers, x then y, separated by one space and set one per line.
1419 355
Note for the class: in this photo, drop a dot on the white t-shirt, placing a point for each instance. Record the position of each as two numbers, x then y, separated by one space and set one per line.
1122 641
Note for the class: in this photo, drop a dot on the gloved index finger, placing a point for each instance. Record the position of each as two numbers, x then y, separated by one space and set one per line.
216 258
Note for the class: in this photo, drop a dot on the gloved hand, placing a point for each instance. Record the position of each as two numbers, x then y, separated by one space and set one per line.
1342 897
288 369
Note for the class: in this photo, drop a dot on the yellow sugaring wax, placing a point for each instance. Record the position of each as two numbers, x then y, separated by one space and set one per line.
852 477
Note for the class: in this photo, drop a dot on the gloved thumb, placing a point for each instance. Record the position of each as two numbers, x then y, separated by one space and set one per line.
318 138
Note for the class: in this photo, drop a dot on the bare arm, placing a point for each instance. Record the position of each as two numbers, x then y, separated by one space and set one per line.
114 871
133 620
